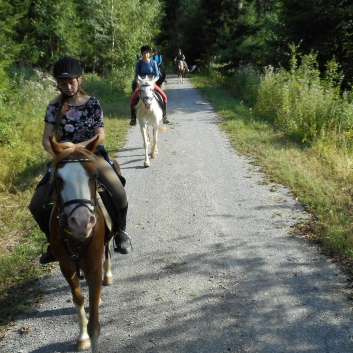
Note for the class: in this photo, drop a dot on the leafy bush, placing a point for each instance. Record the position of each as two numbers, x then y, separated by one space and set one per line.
303 105
246 82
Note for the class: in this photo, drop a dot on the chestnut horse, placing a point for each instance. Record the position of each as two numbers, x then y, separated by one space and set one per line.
148 113
78 232
181 71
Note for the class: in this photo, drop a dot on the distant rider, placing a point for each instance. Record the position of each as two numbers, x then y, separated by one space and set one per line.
157 57
181 57
146 68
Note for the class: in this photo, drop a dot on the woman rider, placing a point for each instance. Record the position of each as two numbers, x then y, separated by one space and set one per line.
78 118
146 68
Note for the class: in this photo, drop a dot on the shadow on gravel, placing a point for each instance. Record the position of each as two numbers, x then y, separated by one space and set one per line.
237 310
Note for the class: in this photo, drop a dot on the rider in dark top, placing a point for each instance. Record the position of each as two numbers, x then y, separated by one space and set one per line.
181 57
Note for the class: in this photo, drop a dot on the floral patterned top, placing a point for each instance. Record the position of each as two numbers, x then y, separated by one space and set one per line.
78 123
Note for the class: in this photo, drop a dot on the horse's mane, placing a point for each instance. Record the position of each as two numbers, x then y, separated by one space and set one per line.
71 148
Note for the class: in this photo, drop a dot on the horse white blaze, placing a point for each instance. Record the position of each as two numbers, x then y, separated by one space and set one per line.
76 186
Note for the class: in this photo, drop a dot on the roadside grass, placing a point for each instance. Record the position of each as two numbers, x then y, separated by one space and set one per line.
22 165
319 175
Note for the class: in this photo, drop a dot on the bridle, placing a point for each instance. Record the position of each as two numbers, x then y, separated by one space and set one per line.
63 218
146 99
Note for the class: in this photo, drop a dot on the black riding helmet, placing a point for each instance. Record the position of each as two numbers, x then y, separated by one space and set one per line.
67 67
146 48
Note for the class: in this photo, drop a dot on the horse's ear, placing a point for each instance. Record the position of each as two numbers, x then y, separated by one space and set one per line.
93 144
139 78
56 147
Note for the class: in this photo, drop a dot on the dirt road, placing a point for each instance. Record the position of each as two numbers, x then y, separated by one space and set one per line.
214 267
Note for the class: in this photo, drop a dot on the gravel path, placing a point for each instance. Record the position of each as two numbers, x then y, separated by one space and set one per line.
214 267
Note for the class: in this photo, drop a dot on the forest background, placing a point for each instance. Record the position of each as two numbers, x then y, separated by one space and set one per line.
286 64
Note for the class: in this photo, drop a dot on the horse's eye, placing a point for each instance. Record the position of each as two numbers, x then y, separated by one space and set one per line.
59 180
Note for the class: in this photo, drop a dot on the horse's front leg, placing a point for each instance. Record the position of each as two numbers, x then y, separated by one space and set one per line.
143 128
154 150
83 340
108 276
94 281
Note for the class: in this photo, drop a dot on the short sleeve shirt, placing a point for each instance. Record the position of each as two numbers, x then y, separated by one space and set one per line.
78 123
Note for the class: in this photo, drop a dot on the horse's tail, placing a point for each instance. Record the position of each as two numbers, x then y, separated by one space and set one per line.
162 128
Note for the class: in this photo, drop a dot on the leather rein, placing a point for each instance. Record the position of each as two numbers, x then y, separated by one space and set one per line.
63 221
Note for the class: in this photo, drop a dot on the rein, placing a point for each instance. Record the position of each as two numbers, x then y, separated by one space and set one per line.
63 221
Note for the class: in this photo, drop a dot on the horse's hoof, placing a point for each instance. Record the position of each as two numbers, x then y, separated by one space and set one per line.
83 345
107 281
153 156
146 164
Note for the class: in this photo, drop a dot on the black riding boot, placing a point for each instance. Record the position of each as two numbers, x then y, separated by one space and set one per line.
165 119
42 218
122 243
48 256
133 116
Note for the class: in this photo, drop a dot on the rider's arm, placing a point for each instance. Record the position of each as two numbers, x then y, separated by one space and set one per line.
137 70
49 130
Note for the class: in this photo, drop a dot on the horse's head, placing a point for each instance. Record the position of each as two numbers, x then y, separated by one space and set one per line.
146 91
75 177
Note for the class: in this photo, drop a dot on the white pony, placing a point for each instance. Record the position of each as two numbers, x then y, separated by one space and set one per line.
148 113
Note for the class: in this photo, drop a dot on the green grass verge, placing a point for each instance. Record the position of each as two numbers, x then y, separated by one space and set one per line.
319 176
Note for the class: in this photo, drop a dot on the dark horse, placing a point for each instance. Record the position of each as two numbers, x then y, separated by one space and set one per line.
78 232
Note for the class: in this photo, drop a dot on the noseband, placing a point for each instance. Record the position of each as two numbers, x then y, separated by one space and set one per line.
146 99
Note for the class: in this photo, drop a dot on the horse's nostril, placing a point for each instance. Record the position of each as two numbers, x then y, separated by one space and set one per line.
72 221
92 220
